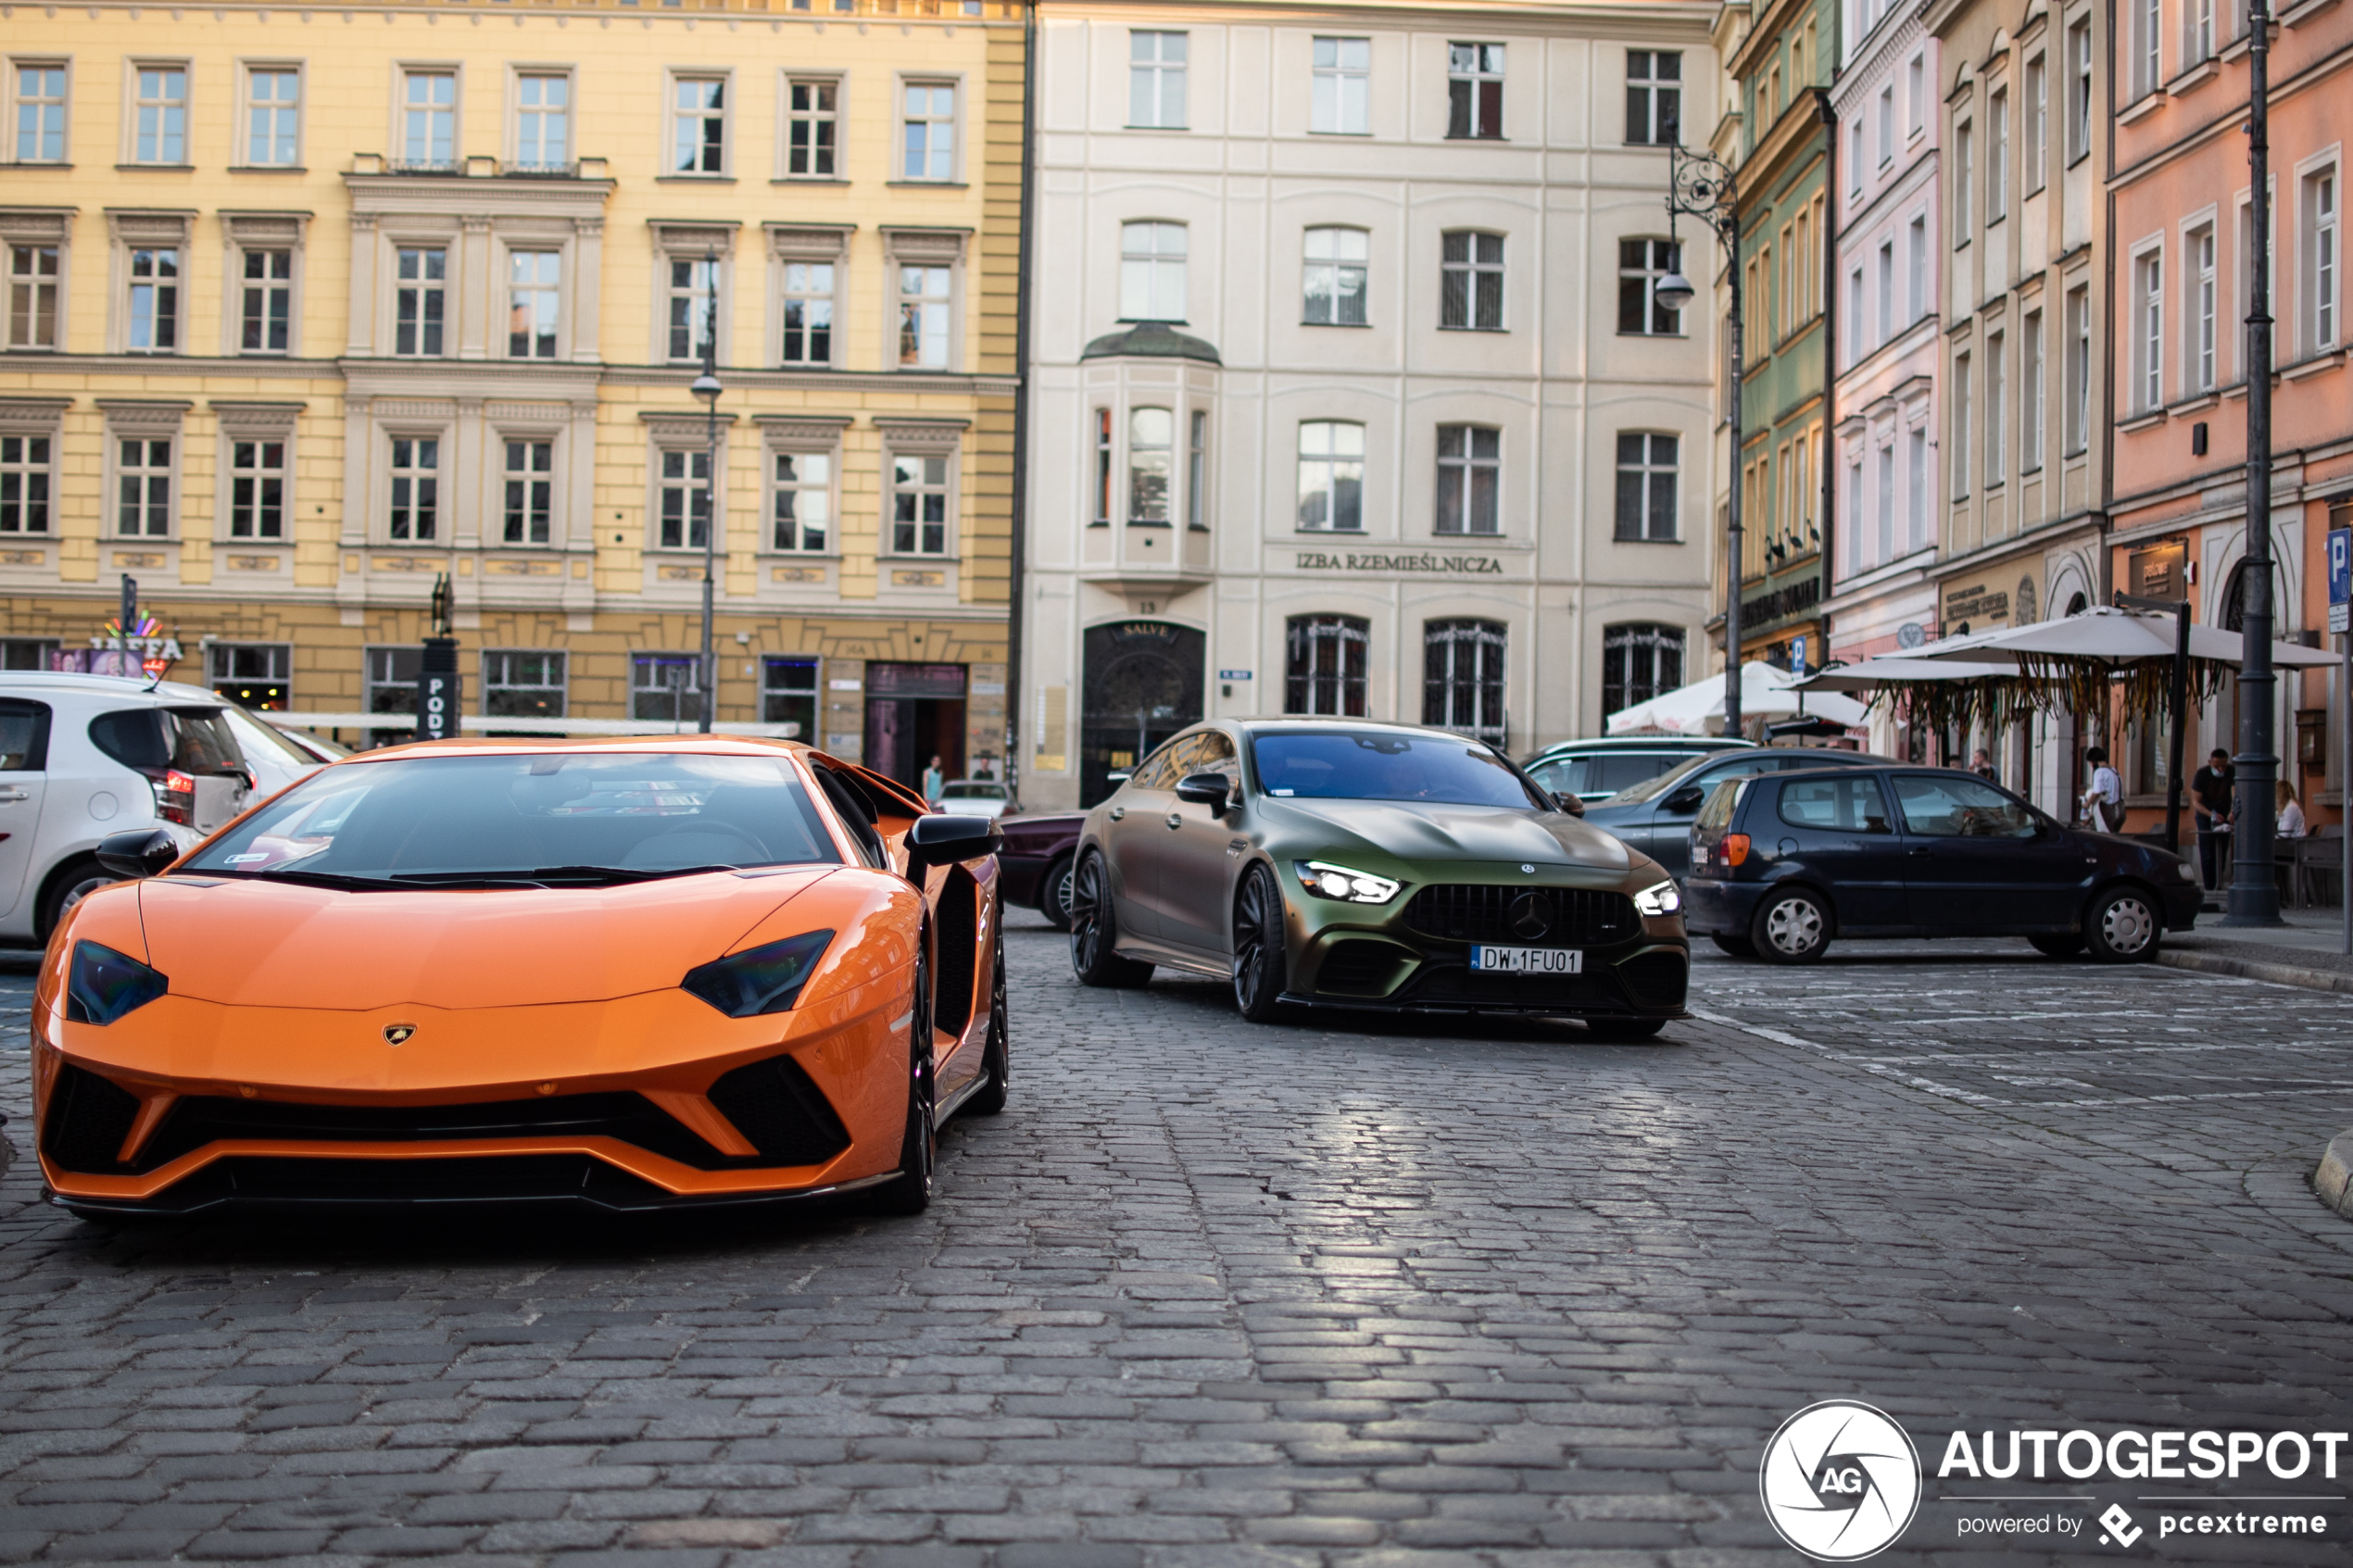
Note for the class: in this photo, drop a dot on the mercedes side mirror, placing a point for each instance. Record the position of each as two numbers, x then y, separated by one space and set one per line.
1564 801
140 852
1685 799
1204 789
945 840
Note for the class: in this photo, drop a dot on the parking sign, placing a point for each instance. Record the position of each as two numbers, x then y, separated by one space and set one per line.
2340 576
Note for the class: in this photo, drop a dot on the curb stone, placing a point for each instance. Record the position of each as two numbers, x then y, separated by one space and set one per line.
2334 1180
2248 969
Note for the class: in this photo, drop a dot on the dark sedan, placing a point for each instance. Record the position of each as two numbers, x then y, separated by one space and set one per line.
1654 818
1034 868
1783 863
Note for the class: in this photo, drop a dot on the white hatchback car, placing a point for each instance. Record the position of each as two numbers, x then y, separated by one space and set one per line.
83 757
975 798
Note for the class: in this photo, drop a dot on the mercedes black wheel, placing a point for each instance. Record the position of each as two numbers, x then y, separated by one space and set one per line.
1258 946
2123 926
1792 927
995 1056
909 1190
1053 892
1094 931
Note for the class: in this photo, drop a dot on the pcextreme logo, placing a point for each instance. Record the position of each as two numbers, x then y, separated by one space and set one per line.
1841 1481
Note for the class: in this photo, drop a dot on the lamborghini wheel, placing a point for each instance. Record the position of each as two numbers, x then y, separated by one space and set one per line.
1094 931
996 1061
1258 946
909 1192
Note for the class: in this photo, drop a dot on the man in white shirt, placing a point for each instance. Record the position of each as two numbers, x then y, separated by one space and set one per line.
2104 801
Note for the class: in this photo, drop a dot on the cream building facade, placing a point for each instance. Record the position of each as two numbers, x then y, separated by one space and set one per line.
1349 392
313 306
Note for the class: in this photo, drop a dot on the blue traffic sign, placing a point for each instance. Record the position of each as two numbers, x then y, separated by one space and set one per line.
2341 566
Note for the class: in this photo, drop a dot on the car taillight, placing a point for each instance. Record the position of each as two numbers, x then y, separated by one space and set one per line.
175 796
1734 848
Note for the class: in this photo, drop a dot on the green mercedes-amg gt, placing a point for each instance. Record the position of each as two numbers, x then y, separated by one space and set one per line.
1339 863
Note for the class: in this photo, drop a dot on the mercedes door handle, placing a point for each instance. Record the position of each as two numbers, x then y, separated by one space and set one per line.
14 795
1175 820
1119 814
1917 850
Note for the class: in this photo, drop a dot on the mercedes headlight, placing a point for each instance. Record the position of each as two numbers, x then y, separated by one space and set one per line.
1666 898
1349 886
2187 870
764 979
104 984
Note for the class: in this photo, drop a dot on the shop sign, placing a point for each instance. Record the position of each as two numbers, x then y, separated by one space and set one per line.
2159 571
1978 605
1404 565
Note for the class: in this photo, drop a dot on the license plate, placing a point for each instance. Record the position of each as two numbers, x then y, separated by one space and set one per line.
1527 960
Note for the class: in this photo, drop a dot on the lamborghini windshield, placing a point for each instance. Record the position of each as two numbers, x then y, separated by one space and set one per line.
1323 764
549 819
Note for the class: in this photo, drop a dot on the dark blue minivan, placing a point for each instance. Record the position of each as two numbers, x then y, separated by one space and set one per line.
1783 863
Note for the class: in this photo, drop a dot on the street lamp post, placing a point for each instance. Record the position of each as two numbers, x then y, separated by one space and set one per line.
707 388
2254 898
1700 186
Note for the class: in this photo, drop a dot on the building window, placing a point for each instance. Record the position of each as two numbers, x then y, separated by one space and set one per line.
699 125
928 130
1856 349
1151 434
1916 276
1471 282
927 303
1964 415
2148 65
2202 286
1331 477
694 306
804 498
2031 410
1156 80
420 276
1886 529
2321 256
530 488
812 126
1639 662
390 675
1646 467
1197 472
24 484
666 686
1341 104
1463 678
542 123
1152 271
159 125
252 674
1102 468
2036 151
32 297
1996 410
918 504
809 313
1886 291
2079 370
1964 174
534 290
683 499
2201 32
519 684
2078 91
788 696
1469 476
1886 125
273 117
428 119
2148 347
268 306
41 113
1641 264
1854 163
416 488
1653 98
1337 260
256 490
1997 158
143 476
1325 669
1915 481
155 301
1475 90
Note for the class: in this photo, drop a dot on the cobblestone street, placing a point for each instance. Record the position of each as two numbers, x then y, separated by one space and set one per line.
1317 1293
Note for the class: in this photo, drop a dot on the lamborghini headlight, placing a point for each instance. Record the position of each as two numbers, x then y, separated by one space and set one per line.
1349 886
1666 898
104 984
764 979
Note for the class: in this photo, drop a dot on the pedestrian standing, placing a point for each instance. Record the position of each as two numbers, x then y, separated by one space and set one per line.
2104 801
1983 766
2212 786
934 782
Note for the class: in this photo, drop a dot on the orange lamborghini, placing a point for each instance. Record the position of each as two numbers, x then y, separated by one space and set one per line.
639 974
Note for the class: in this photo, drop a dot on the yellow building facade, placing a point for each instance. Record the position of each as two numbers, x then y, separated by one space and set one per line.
309 308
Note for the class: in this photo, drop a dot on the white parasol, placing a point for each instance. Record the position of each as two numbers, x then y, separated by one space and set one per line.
1698 708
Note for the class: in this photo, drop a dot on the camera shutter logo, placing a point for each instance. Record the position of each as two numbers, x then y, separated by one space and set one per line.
1841 1481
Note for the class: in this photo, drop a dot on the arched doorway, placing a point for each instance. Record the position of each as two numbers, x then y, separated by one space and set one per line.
1142 684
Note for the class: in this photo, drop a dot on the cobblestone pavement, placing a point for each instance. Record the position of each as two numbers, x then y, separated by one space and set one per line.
1210 1294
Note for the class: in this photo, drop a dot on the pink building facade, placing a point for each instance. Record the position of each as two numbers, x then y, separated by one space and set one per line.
2180 243
1883 597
